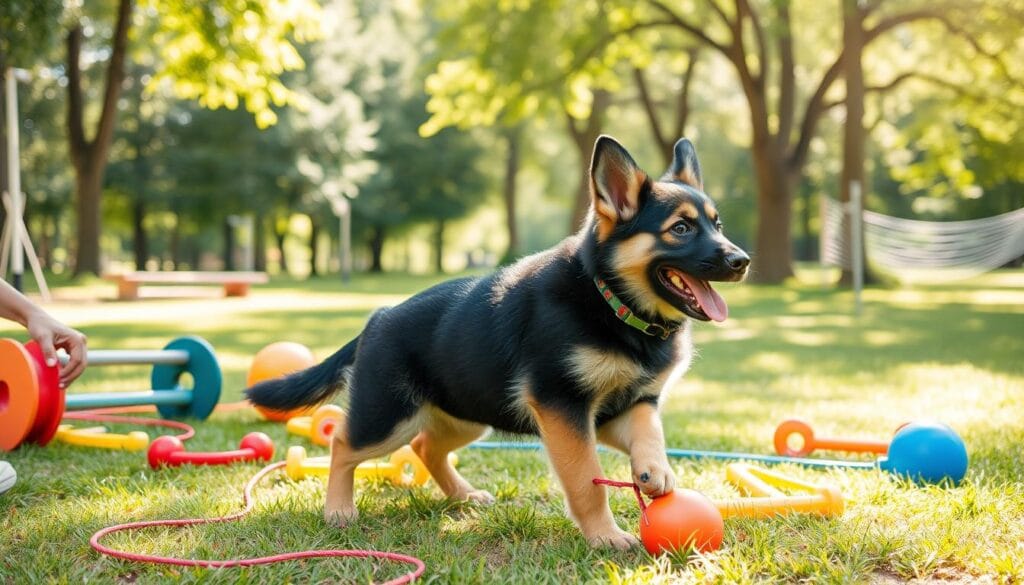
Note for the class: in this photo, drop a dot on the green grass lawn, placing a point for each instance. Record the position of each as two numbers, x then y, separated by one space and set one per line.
953 353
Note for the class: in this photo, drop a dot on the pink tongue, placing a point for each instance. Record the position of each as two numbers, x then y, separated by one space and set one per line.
710 301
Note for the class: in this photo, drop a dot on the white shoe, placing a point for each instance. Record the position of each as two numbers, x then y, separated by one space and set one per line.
7 476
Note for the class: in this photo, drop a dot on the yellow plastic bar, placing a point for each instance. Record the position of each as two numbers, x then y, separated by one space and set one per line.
827 503
402 468
300 425
298 465
769 501
745 477
98 438
742 477
85 429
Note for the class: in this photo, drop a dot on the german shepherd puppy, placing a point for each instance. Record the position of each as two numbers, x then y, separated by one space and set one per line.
575 344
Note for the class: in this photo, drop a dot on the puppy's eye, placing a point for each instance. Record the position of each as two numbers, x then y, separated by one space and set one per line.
680 228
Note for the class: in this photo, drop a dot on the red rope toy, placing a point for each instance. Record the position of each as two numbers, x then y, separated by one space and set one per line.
627 484
248 504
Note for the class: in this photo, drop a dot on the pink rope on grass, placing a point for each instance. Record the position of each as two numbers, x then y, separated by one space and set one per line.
100 416
248 502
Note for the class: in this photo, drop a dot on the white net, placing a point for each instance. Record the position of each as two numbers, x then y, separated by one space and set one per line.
924 251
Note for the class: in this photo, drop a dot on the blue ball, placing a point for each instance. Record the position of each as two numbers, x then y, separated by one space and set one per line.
927 452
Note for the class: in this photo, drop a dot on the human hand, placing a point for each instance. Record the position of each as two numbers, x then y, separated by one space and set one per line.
52 335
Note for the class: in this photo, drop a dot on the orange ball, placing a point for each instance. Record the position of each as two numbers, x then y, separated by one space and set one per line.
680 520
277 360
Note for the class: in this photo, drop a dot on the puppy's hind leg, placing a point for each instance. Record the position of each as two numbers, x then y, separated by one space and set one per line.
372 428
441 435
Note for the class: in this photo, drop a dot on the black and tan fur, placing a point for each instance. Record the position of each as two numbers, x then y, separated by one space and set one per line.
534 348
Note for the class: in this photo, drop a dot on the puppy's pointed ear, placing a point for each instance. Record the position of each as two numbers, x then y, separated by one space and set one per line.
615 183
685 167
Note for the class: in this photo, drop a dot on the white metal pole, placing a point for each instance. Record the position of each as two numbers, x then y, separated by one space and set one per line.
823 236
346 243
14 180
856 243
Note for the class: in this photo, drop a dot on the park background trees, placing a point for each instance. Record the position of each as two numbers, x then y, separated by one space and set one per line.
462 130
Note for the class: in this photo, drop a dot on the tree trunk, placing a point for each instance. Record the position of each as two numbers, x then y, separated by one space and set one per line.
853 129
581 205
376 248
90 156
665 137
88 187
439 247
229 245
175 243
773 256
279 236
512 139
808 250
259 254
314 235
45 241
140 243
584 139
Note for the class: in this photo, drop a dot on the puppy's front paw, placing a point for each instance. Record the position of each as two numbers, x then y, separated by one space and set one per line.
655 478
479 497
341 517
615 538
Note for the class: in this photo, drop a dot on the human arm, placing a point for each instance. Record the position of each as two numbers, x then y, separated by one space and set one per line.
48 332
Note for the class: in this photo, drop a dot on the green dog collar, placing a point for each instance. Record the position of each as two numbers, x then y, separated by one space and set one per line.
626 315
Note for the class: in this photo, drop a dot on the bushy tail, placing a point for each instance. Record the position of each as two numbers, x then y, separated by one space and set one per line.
310 386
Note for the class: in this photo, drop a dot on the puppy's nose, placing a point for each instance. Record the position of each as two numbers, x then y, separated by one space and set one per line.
737 260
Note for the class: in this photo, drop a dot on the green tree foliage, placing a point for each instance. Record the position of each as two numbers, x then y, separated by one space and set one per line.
27 30
421 180
785 56
512 60
505 63
333 133
221 53
365 89
947 114
137 175
231 52
47 179
942 95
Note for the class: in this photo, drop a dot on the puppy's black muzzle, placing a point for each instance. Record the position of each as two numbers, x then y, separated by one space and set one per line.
732 264
737 261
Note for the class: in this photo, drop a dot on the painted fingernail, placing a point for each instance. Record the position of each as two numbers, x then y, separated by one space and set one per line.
63 385
644 477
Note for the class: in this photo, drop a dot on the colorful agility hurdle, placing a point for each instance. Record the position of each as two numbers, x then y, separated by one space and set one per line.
32 404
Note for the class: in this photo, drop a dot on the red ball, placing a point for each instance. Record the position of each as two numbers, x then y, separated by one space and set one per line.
161 448
680 520
260 443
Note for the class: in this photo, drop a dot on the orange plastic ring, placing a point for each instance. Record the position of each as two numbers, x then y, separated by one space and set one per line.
19 394
793 427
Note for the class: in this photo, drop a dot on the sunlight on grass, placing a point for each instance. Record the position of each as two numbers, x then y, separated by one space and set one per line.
948 352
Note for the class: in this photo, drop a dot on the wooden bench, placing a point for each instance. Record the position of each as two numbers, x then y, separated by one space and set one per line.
236 284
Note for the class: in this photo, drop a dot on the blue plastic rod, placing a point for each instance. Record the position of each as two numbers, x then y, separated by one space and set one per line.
688 454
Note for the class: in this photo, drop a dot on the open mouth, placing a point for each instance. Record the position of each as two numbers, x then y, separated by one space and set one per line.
699 300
